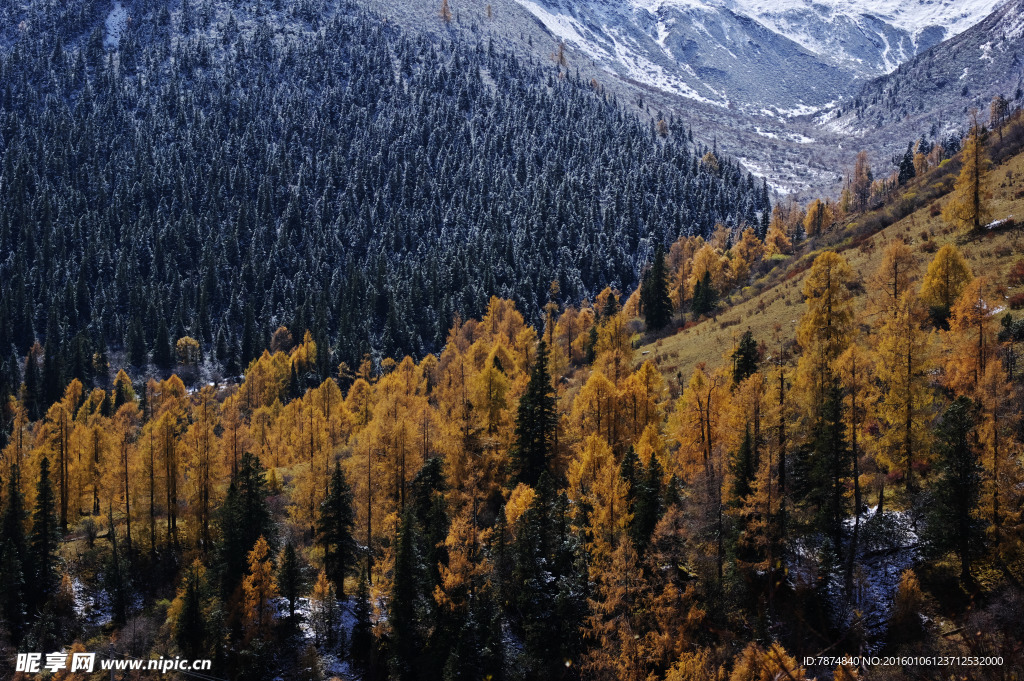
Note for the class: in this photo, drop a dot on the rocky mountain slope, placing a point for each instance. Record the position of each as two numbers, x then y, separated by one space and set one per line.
933 93
757 56
783 86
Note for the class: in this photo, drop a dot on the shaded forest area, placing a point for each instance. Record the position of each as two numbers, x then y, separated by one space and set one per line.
528 491
545 503
217 171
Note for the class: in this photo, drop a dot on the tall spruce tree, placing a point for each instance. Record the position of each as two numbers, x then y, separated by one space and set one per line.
334 530
654 299
536 421
163 357
745 358
705 297
743 468
648 503
289 578
406 604
191 628
547 589
243 518
430 512
953 523
13 555
116 577
829 468
361 640
44 541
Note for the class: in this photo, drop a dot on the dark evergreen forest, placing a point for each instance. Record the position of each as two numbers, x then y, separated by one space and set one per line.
221 170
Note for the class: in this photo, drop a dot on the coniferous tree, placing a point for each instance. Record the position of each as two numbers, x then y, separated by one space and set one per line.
13 556
906 170
259 589
406 603
953 522
829 468
162 356
966 207
33 384
52 378
536 421
44 541
654 299
705 297
648 506
590 352
191 628
430 512
947 276
250 342
546 582
135 344
611 306
746 357
244 517
361 639
116 578
289 578
743 468
334 530
324 614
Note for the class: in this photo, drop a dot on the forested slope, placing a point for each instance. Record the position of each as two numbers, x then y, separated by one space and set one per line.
218 170
561 502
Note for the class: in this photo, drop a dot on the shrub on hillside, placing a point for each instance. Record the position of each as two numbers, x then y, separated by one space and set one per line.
1016 276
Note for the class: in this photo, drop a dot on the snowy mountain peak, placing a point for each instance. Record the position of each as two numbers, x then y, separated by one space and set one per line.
766 56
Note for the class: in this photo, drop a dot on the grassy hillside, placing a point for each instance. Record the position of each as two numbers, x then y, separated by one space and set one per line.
771 306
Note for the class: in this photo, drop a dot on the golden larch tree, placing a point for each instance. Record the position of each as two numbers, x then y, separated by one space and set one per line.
971 338
893 277
860 183
827 323
757 664
966 207
948 273
595 484
902 367
826 327
259 589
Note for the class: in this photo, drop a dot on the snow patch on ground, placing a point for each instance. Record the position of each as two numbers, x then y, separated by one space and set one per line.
640 68
758 170
333 663
1001 223
888 547
622 52
565 27
115 24
91 604
801 110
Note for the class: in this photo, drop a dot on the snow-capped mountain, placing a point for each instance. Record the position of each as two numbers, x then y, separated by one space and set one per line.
791 88
934 91
867 35
761 56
